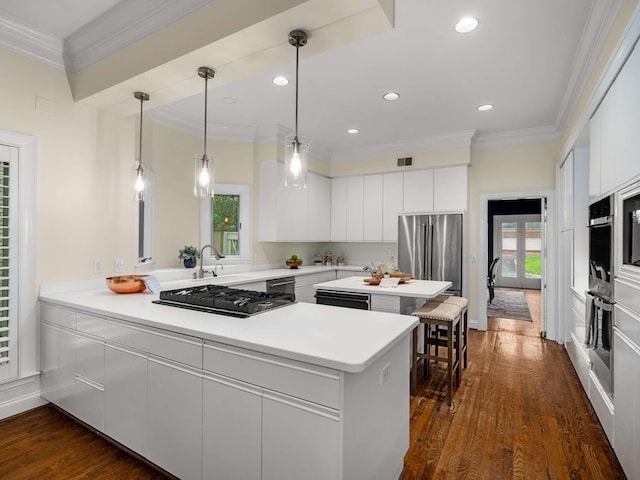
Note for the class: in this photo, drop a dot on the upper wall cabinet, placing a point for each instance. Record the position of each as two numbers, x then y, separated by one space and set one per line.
418 191
614 140
450 188
627 120
435 190
392 205
601 147
291 214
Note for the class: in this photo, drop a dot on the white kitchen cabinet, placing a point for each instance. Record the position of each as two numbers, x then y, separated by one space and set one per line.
351 273
450 188
299 439
174 417
372 208
292 214
232 429
89 380
418 191
62 381
339 209
304 285
355 208
626 371
125 405
319 208
602 147
392 205
565 185
627 397
627 120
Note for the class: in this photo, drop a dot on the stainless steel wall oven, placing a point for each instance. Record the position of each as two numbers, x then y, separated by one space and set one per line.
599 332
601 248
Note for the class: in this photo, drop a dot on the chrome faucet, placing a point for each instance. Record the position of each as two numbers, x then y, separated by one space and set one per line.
200 272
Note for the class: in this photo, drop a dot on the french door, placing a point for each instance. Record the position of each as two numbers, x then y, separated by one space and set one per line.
518 242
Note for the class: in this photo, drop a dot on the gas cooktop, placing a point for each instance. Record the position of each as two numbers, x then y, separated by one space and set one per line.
224 300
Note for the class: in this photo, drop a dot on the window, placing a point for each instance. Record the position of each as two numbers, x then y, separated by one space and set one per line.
8 261
18 272
225 223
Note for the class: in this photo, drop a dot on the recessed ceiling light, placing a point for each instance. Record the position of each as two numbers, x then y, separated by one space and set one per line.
466 25
352 131
229 100
280 81
485 107
391 96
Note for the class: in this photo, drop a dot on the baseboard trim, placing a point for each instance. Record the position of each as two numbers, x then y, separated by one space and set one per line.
21 404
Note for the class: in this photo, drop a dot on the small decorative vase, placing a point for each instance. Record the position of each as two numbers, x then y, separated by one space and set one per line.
189 262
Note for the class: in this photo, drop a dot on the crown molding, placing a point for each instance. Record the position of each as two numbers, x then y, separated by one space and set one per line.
172 118
601 18
17 37
406 147
517 137
125 23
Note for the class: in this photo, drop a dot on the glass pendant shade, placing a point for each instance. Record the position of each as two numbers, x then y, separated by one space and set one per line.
203 168
295 165
203 179
139 182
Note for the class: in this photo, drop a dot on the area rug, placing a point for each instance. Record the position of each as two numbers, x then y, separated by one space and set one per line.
509 304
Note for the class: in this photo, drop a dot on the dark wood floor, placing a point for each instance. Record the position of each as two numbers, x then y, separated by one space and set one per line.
519 413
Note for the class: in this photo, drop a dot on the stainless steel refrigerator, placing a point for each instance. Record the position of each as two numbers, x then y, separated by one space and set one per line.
430 247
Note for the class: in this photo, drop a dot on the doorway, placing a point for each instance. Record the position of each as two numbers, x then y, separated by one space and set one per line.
541 203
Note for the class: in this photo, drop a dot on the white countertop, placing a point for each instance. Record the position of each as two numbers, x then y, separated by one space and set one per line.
334 337
412 288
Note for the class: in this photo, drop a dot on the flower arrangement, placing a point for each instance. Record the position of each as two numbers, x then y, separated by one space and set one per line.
189 255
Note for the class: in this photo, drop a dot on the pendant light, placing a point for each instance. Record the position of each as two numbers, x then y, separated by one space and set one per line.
139 185
295 164
203 181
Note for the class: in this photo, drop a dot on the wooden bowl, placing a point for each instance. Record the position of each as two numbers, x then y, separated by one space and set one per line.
127 283
291 264
372 281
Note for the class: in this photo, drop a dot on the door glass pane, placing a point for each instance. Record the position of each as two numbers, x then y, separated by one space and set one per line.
533 244
509 249
226 210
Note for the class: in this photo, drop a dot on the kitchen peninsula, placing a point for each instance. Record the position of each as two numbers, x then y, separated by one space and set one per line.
293 392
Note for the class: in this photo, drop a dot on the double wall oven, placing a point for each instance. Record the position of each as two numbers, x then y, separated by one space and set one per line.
599 331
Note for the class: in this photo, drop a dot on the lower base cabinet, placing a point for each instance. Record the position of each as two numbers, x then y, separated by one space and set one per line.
125 406
174 418
231 423
627 406
299 439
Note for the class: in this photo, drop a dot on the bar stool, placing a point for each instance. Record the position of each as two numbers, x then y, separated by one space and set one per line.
445 316
463 303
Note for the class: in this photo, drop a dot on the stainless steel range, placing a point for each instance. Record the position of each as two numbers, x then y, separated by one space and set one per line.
224 300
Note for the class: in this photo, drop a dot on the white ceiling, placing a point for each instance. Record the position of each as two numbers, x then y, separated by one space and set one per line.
528 58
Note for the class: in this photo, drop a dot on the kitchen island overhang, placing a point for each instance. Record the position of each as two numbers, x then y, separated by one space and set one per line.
347 370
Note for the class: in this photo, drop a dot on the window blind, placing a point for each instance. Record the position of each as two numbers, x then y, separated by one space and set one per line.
5 263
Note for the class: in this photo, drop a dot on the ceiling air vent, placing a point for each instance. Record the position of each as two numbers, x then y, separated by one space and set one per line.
405 162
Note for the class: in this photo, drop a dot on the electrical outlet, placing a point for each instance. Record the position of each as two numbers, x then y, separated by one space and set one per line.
385 374
97 266
118 265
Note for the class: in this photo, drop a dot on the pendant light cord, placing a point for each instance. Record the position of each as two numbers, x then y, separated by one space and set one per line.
297 62
140 146
206 80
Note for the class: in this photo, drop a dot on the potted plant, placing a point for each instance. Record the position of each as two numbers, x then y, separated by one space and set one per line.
294 261
189 255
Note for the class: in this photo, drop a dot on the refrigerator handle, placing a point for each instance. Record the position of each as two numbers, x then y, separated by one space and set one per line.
428 246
